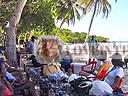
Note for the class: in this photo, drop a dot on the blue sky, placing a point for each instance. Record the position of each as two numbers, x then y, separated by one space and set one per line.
115 27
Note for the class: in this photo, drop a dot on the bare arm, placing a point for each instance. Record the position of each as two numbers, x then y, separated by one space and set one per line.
99 70
103 67
116 82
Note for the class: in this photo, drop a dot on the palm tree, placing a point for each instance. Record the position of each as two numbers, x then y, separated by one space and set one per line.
97 6
68 10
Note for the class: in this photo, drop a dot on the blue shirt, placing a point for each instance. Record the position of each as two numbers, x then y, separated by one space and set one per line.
30 46
92 41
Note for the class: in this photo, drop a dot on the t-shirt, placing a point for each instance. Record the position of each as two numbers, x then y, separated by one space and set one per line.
92 41
30 47
110 78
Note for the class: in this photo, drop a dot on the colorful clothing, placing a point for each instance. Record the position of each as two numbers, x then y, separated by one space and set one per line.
103 69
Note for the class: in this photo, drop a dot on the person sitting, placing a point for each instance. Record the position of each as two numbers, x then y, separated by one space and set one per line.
69 72
101 55
63 70
66 61
3 78
30 45
34 61
116 74
10 81
9 68
101 71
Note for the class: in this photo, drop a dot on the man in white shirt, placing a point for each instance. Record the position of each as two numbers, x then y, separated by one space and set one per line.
116 74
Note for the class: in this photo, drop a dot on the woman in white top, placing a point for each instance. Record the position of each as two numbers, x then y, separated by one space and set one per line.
116 74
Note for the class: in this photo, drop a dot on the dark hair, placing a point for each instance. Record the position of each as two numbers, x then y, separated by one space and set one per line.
117 60
33 38
93 36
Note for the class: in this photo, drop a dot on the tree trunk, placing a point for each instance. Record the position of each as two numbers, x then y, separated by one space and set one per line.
90 26
11 31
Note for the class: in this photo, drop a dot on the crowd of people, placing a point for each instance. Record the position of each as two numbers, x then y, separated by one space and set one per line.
47 53
12 79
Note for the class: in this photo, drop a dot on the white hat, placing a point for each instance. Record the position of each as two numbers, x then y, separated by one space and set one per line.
117 56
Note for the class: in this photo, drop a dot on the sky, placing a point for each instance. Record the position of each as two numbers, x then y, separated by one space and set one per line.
115 27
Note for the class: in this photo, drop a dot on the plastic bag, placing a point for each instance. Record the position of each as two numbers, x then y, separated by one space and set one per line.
100 88
72 77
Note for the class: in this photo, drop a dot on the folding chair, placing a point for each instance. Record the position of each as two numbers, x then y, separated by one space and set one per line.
92 63
99 77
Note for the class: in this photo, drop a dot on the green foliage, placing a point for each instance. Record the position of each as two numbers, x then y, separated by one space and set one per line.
65 34
102 6
37 15
37 18
2 36
6 9
102 39
74 37
66 11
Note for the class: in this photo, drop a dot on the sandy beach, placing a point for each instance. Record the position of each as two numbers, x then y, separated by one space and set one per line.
125 81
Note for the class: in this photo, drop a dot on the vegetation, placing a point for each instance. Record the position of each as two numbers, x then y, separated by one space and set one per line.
38 17
69 10
65 34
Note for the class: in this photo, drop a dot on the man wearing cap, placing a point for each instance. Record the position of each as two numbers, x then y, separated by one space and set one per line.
116 74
